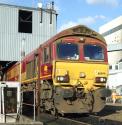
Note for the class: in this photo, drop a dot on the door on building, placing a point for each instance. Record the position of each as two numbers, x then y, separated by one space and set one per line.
10 100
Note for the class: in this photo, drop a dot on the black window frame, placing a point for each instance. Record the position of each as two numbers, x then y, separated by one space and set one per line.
46 54
110 67
98 45
30 69
57 50
25 21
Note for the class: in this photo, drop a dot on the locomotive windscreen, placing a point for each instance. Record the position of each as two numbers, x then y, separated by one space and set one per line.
68 51
93 52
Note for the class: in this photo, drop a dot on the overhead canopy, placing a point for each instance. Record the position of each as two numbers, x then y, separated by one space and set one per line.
4 65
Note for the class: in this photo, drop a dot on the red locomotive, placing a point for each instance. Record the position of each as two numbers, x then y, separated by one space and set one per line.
71 70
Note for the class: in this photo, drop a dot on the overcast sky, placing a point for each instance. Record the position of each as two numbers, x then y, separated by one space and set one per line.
92 13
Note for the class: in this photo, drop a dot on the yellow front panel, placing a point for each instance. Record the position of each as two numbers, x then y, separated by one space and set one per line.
74 69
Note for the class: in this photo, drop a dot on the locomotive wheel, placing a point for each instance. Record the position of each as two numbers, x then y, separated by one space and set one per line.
42 107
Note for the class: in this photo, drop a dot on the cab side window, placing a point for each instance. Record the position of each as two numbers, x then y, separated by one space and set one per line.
46 54
30 69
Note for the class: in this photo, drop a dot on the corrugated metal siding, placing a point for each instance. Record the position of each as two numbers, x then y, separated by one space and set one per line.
7 33
11 39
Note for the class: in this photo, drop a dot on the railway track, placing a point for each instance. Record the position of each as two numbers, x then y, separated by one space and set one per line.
85 119
110 115
94 119
48 119
77 120
97 120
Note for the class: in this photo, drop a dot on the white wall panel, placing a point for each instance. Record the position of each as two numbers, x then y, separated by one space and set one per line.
11 39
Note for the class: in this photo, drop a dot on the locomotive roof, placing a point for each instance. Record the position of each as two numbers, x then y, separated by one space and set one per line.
79 30
83 30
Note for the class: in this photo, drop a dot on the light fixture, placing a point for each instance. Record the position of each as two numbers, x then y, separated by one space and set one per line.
82 75
82 40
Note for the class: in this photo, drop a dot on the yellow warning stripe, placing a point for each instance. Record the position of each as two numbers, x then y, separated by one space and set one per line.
34 79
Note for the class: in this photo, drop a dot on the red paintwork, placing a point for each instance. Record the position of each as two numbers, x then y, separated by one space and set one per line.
9 74
48 71
71 39
14 66
106 55
53 52
81 53
14 79
23 66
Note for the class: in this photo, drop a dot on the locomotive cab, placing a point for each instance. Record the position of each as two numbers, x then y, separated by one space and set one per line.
79 69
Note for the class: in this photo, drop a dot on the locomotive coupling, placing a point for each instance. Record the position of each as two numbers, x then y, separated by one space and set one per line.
68 93
72 93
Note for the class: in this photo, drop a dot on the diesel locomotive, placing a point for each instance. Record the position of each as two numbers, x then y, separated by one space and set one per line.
71 69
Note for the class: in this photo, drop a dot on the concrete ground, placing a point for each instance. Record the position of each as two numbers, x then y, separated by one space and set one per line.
116 112
111 112
8 119
23 120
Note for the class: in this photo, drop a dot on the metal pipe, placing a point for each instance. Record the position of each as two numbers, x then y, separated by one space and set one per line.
34 106
21 103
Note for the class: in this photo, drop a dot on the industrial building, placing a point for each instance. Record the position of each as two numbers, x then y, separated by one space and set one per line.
22 29
112 32
115 76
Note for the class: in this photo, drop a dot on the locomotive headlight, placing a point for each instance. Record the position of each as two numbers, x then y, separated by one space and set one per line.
82 75
100 79
63 79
